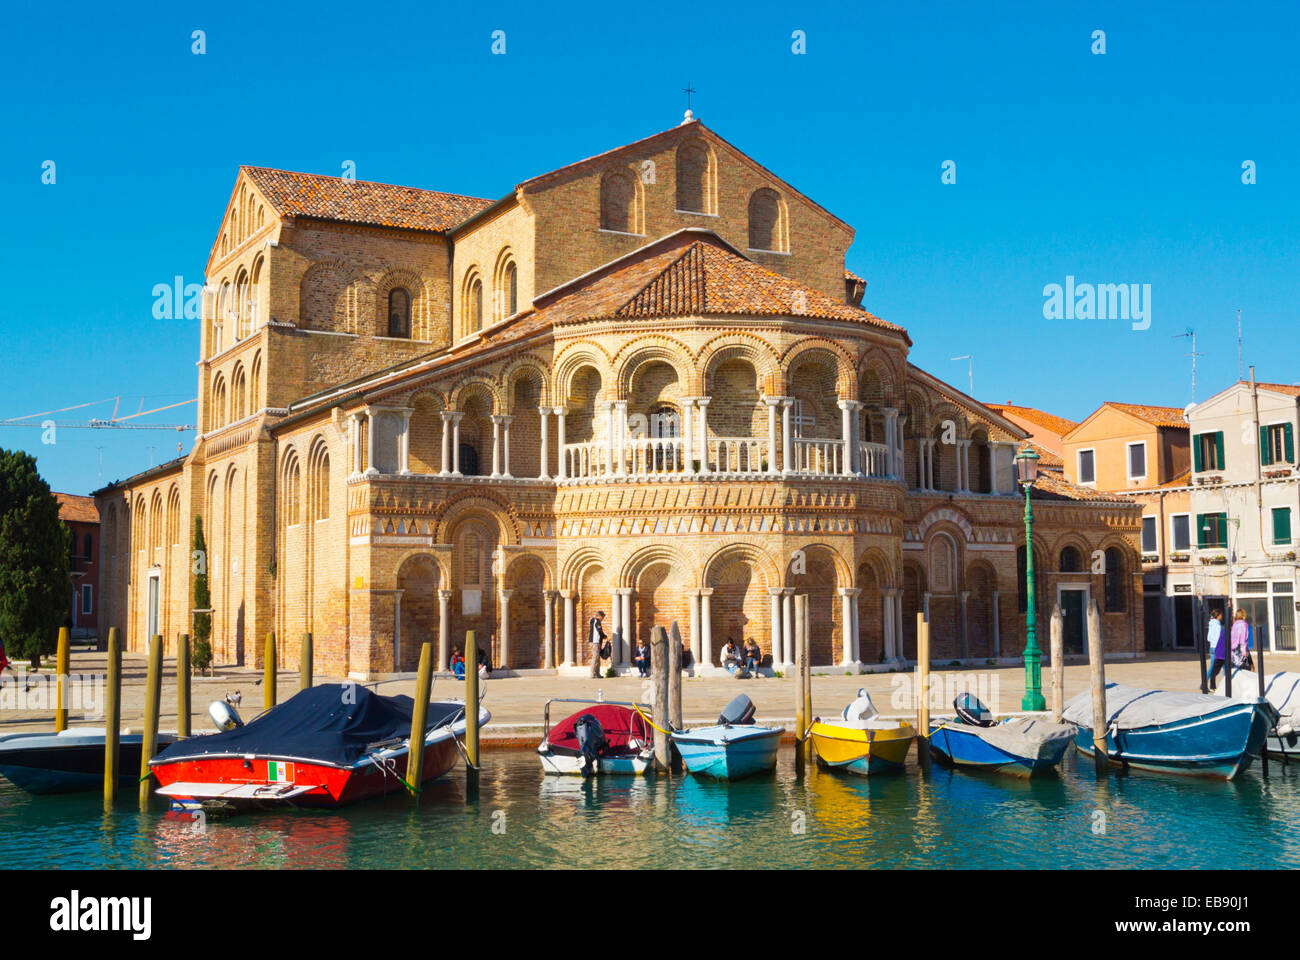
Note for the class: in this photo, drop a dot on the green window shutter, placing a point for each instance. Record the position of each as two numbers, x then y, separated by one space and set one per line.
1223 527
1196 453
1289 443
1265 454
1218 450
1281 525
1202 537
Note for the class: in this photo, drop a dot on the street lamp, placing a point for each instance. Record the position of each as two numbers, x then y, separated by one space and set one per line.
1027 473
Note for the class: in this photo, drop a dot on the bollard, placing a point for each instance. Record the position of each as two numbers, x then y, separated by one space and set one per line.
923 691
152 696
674 677
183 685
112 717
800 694
304 663
471 717
806 673
1057 634
419 717
1097 665
61 679
268 673
659 669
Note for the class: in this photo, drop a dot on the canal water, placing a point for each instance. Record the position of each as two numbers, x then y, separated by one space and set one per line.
525 819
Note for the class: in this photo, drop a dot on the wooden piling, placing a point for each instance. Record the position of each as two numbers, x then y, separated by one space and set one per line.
471 716
807 671
1259 672
152 698
800 693
183 685
419 717
305 663
112 717
922 691
1057 633
1097 667
268 673
61 680
659 672
675 677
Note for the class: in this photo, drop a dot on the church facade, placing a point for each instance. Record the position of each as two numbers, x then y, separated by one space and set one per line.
642 384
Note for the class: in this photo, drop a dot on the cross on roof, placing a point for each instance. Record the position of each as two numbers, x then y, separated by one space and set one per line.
688 90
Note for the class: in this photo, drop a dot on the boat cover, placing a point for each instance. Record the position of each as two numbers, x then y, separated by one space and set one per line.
1281 689
619 724
332 724
1128 708
1021 737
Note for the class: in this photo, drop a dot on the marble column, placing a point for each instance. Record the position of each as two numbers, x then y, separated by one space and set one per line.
787 442
544 472
620 464
354 422
404 446
444 629
846 627
615 623
370 470
694 599
688 434
561 469
706 627
624 653
570 635
772 404
611 437
774 593
846 434
455 442
445 462
548 630
891 441
703 404
504 630
496 444
505 446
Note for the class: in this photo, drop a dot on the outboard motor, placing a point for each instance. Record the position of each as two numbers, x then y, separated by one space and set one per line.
738 712
860 709
972 711
591 741
224 716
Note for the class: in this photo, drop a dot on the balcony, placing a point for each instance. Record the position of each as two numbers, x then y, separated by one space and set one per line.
666 458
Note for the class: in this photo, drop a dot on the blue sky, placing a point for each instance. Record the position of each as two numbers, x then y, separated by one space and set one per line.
1118 168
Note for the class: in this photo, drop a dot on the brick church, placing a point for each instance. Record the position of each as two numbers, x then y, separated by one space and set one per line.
643 383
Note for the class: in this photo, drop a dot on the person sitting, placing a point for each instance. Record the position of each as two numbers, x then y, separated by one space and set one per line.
641 658
753 657
458 664
731 657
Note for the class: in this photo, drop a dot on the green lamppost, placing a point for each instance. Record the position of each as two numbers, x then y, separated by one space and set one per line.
1027 472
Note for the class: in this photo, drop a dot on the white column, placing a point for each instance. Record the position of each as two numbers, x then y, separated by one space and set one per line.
504 663
544 473
615 623
846 627
560 469
706 627
787 624
694 599
444 628
997 627
404 447
858 467
611 439
887 621
772 404
846 434
505 446
548 630
570 637
446 443
800 601
624 653
688 439
496 445
963 466
370 445
355 425
703 404
891 428
787 446
455 443
774 593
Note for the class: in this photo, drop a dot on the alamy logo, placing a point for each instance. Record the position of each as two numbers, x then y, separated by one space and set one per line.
75 913
1098 301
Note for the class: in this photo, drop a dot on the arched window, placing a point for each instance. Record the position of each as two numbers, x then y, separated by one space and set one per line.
472 308
618 202
765 227
242 305
255 384
217 415
468 460
1116 595
292 482
254 304
694 193
510 289
399 312
319 482
238 394
1071 560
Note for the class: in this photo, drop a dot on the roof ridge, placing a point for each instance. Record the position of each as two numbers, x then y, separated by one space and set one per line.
679 287
360 183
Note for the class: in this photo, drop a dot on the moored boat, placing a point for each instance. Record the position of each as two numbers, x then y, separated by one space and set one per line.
70 760
1282 691
326 746
733 748
1197 734
860 741
1020 746
604 737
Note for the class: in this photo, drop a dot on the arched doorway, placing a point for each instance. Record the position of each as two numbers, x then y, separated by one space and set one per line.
417 580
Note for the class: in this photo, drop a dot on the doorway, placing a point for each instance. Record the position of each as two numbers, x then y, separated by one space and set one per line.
1074 624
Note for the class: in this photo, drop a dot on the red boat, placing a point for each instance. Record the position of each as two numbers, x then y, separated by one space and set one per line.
324 747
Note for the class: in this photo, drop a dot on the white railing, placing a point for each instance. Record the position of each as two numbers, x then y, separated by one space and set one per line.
668 457
738 454
655 457
818 456
583 461
873 459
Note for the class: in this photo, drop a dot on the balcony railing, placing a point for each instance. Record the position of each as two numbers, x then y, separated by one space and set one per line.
873 459
668 457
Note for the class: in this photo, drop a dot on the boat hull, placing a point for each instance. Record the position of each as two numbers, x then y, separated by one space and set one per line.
731 759
953 746
568 765
71 762
862 751
1220 744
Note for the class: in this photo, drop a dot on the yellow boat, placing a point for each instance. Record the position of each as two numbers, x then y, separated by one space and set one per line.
860 742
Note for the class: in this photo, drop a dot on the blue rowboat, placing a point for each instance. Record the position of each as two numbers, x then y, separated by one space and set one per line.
69 761
733 748
1172 732
1021 747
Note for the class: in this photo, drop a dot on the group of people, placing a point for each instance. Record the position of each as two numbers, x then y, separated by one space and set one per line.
484 660
742 661
1241 639
603 649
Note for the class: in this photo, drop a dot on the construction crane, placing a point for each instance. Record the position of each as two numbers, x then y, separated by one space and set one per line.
114 422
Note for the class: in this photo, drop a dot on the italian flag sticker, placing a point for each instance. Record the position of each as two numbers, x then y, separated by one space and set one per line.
277 771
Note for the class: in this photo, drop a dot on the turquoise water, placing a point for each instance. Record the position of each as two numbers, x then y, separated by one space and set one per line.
525 819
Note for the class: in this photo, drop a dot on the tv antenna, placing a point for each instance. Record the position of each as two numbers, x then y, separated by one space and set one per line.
1191 334
1241 369
970 369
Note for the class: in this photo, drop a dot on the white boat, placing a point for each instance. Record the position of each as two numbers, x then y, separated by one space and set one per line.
602 738
1282 691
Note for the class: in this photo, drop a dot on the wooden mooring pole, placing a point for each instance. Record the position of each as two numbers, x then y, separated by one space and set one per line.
800 690
674 677
471 716
112 717
304 663
1097 667
268 672
922 691
1259 672
183 685
419 717
61 680
152 698
1057 635
659 671
806 673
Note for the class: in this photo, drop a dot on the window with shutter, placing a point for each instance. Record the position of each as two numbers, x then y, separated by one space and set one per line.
1281 526
1182 532
1148 534
1265 451
1218 450
1198 461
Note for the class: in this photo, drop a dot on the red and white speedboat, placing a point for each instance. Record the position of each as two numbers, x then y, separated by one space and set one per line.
601 738
324 747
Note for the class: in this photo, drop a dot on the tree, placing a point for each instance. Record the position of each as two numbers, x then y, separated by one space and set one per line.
201 656
34 547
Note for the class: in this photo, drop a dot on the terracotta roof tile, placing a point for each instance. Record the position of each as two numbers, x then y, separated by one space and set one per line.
1157 416
361 201
1287 388
77 509
1053 486
1048 421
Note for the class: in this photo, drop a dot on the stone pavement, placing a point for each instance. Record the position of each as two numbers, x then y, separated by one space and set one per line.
516 702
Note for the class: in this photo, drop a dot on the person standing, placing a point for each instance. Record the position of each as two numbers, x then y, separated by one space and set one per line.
596 637
1240 640
1214 643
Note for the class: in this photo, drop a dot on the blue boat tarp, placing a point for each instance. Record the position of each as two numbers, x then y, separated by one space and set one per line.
1130 708
1027 737
332 724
